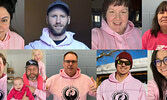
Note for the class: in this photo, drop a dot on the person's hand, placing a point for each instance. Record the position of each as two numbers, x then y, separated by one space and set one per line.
25 97
32 89
93 87
47 87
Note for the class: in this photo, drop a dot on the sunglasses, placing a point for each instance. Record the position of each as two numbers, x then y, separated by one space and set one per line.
127 63
158 62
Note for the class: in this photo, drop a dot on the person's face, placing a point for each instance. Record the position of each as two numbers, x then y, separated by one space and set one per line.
37 56
4 22
70 64
58 21
18 84
163 68
117 18
2 66
162 18
123 69
32 72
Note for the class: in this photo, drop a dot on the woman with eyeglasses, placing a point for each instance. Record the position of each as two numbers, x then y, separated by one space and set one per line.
121 85
116 31
8 39
157 88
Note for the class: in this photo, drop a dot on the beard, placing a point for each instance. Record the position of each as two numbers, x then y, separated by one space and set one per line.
32 78
55 32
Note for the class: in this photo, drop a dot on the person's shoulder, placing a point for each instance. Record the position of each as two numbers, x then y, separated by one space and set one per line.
35 45
79 44
148 32
135 81
15 35
53 77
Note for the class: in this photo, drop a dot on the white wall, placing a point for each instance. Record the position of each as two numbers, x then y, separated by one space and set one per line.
18 18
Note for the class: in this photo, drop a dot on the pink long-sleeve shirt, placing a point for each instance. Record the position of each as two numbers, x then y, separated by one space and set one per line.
42 70
12 41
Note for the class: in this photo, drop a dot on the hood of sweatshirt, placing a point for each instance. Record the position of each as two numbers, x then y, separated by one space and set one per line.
64 75
45 38
114 80
117 37
105 27
4 77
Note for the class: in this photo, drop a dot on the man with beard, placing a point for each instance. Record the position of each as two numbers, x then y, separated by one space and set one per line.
70 83
34 81
121 85
56 36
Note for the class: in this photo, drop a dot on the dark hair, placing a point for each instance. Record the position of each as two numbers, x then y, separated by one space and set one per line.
3 58
60 7
155 25
9 5
158 77
70 52
107 3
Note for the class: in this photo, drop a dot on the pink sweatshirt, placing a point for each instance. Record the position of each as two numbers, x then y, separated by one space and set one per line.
129 89
12 41
42 70
63 87
151 42
3 87
105 38
19 94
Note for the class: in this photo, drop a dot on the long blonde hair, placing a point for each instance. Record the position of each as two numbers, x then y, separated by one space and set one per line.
34 51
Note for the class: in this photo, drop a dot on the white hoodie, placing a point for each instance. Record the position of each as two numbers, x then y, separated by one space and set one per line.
46 42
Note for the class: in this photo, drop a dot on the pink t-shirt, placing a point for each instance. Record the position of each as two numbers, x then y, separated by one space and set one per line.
151 42
12 41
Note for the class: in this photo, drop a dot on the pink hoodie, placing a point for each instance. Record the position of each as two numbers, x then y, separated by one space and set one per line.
12 41
63 87
105 38
42 70
151 42
3 87
129 89
153 92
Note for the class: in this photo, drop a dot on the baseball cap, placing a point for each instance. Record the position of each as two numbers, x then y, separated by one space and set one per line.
31 62
58 4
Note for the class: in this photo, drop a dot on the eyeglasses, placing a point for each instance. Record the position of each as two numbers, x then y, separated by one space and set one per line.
127 63
158 62
72 61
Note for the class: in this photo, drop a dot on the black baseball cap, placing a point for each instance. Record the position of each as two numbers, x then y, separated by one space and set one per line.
31 62
58 4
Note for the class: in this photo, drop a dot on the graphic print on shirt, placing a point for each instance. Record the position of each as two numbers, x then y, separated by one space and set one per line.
161 47
70 93
2 94
120 95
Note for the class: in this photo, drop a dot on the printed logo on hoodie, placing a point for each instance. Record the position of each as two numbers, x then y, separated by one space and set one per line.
120 95
1 95
70 93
